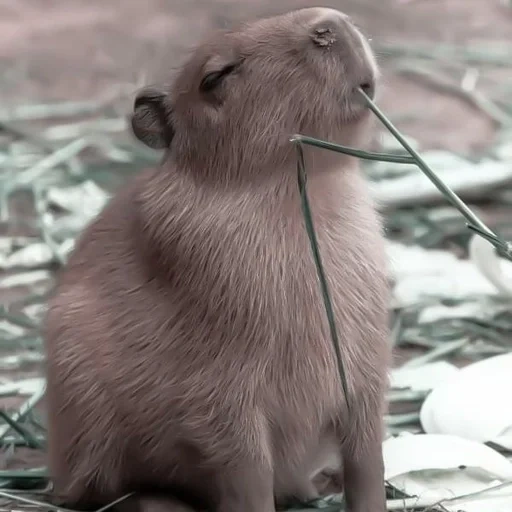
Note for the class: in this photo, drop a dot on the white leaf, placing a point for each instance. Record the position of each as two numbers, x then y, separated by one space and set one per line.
474 404
436 468
22 387
422 273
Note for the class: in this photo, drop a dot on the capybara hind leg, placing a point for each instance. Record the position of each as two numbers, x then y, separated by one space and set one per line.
246 488
363 471
85 480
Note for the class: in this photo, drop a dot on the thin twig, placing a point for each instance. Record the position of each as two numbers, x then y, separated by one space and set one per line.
365 155
31 441
474 222
308 218
24 410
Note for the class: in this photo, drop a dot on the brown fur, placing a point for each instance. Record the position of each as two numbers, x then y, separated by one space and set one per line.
188 348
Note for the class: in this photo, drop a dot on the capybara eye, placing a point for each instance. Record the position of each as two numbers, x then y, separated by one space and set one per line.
213 79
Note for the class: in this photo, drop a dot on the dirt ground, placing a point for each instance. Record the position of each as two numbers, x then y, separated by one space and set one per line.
74 49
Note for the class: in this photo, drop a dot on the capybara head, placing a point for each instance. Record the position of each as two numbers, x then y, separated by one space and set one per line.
244 93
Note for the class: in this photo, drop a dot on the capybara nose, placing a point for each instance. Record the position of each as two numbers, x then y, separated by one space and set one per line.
327 26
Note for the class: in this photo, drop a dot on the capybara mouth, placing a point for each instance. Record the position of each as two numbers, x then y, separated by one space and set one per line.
368 88
356 105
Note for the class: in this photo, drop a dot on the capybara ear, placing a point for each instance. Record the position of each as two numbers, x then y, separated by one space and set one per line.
152 118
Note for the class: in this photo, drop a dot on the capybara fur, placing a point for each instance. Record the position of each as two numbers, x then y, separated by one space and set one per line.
189 353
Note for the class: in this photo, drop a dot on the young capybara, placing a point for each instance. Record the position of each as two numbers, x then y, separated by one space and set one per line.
189 353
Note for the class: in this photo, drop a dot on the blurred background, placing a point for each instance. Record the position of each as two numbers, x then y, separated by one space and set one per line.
78 49
69 70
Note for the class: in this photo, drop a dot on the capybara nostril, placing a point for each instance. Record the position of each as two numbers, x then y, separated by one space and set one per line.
327 26
323 35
